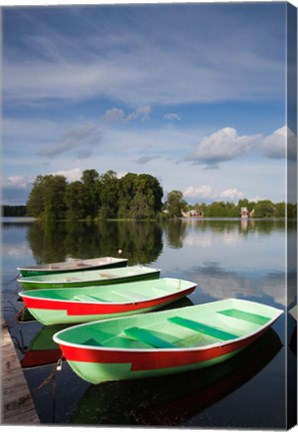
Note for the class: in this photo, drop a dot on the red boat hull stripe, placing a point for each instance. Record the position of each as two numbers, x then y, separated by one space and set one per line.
146 360
80 308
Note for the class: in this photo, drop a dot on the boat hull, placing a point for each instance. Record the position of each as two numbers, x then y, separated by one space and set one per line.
82 304
72 266
96 364
97 278
98 372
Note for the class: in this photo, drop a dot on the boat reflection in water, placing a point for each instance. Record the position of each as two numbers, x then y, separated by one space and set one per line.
171 400
42 350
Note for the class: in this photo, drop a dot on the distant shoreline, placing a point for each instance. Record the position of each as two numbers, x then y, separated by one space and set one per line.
20 219
17 219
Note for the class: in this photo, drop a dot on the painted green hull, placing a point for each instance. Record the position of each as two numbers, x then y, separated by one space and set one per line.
162 343
72 266
165 401
89 278
78 305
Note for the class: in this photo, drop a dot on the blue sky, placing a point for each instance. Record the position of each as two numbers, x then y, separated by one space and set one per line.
193 94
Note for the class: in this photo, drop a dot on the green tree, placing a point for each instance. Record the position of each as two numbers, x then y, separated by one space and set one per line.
108 192
292 211
35 203
75 201
90 181
264 209
280 209
53 197
175 203
147 200
46 199
126 193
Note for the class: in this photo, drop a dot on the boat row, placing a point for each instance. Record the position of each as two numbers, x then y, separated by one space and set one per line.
118 336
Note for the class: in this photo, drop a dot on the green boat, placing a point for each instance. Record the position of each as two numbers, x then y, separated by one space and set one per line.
78 305
164 401
167 342
72 265
89 277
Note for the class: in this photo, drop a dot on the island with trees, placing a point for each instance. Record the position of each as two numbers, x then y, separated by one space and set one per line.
133 196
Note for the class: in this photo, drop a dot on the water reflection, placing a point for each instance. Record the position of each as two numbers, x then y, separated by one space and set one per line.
175 232
228 258
141 242
169 401
42 350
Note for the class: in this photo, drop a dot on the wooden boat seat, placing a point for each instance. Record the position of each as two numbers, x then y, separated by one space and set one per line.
202 328
245 316
88 298
131 295
148 338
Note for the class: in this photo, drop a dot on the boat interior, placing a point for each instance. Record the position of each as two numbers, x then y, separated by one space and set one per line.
174 330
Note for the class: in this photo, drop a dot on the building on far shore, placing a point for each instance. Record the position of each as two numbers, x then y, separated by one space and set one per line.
192 213
245 213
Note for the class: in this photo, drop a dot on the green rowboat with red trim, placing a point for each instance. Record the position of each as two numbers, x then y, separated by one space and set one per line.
89 278
72 265
77 305
167 342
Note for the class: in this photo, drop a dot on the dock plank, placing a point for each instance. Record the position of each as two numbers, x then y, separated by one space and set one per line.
17 404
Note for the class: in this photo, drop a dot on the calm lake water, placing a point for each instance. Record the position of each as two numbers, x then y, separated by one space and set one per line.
226 258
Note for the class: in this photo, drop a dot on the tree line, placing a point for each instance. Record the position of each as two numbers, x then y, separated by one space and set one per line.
133 196
220 209
94 196
259 209
14 211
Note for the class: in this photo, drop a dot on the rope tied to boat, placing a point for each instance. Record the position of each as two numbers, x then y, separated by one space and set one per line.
57 368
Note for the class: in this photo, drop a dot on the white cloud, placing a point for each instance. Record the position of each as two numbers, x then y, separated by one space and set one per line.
172 116
280 144
142 112
223 145
71 174
231 194
274 145
117 114
114 114
17 182
25 182
199 192
206 192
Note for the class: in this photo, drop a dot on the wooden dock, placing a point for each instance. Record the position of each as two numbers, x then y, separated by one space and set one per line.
17 404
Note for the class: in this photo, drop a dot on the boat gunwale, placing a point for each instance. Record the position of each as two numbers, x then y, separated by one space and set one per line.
170 294
30 279
74 261
261 329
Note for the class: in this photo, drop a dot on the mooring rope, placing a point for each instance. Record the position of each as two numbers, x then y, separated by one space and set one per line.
51 376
